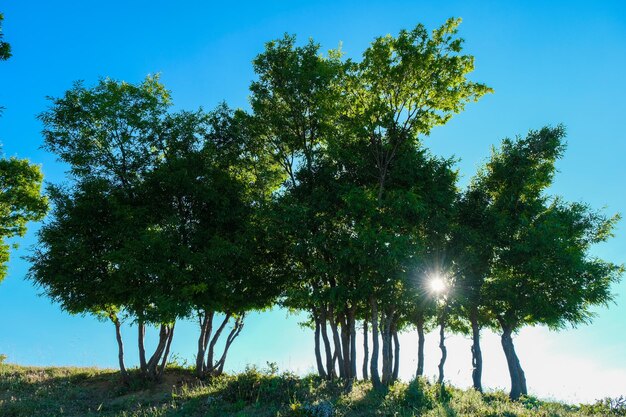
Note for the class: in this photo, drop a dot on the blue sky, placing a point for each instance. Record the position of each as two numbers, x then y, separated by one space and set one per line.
549 62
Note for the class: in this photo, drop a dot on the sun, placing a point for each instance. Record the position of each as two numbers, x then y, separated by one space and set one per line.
437 284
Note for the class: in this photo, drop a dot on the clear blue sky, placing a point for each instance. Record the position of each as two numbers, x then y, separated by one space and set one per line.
549 62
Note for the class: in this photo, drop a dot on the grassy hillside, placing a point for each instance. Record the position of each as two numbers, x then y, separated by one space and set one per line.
33 391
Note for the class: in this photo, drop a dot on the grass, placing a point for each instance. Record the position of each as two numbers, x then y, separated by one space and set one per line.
35 391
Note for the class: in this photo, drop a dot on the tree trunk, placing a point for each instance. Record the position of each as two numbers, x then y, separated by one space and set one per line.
337 343
477 356
141 333
420 346
387 320
345 346
518 379
318 355
120 347
210 364
396 354
383 331
330 369
167 351
365 351
152 367
352 324
206 327
234 332
442 346
374 362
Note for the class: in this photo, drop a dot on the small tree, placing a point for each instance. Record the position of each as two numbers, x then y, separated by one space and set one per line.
541 271
106 135
179 198
206 201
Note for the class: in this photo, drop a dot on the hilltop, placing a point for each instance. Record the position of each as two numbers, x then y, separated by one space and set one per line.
68 391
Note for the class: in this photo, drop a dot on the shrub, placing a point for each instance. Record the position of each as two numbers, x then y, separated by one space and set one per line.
418 395
607 407
254 385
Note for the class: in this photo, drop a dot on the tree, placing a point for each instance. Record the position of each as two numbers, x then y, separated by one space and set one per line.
71 261
207 202
5 48
181 198
403 87
473 246
542 272
20 202
346 133
106 135
296 102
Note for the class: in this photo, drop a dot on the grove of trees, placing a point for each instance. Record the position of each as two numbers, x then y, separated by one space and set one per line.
322 199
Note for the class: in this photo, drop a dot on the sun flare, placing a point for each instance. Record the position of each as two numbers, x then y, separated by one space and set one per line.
437 284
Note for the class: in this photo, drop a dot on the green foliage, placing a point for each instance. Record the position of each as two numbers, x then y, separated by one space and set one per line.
408 84
418 395
527 255
20 202
5 48
107 131
542 272
180 200
363 206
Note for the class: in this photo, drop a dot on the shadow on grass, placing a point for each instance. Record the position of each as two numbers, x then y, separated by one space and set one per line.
34 391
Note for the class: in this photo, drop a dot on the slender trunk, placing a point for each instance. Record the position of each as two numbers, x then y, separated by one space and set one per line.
206 327
329 356
318 355
365 350
337 342
210 365
477 356
234 332
201 347
420 346
374 362
442 346
345 346
387 320
153 363
352 324
396 354
383 334
120 347
141 333
518 379
170 336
